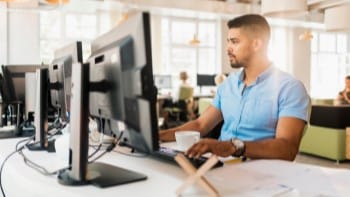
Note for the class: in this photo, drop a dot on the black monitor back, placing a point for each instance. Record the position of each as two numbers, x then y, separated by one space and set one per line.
127 49
205 80
60 71
13 81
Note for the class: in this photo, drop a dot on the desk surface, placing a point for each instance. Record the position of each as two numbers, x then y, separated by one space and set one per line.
253 178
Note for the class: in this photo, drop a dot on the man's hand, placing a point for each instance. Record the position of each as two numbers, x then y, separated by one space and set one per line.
219 148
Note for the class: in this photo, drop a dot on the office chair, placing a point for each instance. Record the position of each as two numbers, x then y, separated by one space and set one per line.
180 111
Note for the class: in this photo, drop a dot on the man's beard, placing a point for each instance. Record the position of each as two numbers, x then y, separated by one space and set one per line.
237 65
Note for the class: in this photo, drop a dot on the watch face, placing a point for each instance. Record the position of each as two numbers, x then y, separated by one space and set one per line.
238 143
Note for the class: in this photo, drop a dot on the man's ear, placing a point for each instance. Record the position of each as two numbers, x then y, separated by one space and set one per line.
257 44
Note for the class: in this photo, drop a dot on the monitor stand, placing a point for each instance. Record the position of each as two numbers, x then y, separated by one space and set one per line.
41 107
80 172
102 175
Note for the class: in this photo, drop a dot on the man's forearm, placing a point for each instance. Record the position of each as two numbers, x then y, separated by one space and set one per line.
271 149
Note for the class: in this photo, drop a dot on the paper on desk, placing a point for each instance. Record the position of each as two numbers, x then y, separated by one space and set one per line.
271 178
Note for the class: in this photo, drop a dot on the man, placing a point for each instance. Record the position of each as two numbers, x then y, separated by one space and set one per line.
264 109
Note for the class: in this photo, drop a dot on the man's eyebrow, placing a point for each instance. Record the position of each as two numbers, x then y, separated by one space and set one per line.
232 39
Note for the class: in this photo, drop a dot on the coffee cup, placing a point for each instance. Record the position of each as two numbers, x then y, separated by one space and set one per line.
185 139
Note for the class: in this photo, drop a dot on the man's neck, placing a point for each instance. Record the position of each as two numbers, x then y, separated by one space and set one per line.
254 69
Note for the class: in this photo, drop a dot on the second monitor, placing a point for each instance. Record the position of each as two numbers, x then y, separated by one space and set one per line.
119 87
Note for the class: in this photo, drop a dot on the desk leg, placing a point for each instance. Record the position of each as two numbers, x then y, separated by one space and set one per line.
196 175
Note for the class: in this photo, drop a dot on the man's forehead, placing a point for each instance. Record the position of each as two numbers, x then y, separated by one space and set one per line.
234 33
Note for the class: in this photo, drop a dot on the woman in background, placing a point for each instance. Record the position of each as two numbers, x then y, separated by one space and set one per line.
344 96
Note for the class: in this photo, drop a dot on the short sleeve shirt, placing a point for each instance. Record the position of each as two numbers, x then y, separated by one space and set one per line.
251 113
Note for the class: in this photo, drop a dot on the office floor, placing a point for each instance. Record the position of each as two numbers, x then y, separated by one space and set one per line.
314 160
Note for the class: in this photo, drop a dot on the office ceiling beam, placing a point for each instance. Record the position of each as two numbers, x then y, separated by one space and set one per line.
321 5
218 7
23 4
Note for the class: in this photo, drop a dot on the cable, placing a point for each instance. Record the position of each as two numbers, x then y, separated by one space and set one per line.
3 163
132 154
21 141
1 169
96 150
109 147
37 167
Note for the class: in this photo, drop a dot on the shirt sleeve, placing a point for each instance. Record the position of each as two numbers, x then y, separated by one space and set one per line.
217 101
294 101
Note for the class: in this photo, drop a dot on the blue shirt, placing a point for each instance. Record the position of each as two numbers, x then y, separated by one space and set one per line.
251 113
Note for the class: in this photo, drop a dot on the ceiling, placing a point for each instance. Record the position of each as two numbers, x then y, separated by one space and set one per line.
215 6
184 8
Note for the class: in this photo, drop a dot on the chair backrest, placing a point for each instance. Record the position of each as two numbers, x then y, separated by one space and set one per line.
185 92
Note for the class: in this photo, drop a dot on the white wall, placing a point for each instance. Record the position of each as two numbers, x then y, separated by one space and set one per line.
3 33
23 37
300 54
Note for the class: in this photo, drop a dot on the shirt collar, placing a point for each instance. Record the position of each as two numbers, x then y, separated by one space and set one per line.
265 74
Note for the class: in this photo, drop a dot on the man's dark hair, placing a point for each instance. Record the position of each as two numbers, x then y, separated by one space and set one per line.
347 77
254 23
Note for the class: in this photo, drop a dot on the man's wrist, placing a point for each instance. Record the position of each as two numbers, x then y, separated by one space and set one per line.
239 146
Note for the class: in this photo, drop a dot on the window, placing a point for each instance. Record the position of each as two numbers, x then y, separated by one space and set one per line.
58 29
178 55
329 64
277 51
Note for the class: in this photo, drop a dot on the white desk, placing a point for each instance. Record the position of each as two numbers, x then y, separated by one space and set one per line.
253 178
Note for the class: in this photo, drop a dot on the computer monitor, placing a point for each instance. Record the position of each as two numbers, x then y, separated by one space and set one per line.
57 81
163 81
13 87
121 76
15 94
205 80
41 112
60 73
129 96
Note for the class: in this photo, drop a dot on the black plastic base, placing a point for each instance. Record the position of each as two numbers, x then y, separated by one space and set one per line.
37 147
102 175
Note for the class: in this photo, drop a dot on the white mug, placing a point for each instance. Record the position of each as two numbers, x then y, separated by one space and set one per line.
185 139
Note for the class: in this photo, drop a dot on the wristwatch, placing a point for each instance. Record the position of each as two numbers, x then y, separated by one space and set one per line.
239 146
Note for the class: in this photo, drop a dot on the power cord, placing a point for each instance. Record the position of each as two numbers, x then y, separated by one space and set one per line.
1 169
132 154
8 157
37 167
96 150
109 147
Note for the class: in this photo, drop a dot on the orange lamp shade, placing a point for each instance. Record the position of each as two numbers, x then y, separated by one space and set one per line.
57 1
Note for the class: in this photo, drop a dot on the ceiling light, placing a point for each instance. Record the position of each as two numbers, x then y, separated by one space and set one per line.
335 18
57 1
306 36
194 40
123 17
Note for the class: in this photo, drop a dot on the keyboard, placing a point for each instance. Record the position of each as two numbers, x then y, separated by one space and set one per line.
169 154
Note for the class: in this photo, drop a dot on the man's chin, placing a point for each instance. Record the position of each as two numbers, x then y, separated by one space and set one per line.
236 65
